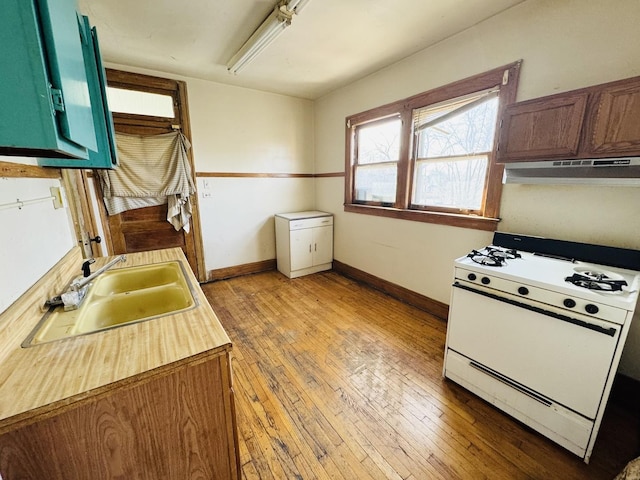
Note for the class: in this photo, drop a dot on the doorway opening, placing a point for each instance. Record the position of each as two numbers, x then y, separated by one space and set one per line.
146 105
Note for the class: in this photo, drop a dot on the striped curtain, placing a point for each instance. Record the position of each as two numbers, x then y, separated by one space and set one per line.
153 170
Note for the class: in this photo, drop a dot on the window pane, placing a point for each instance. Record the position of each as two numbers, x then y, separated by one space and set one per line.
470 132
456 183
379 142
376 183
135 102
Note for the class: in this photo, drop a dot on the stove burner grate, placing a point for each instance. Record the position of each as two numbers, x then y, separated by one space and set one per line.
596 281
493 257
501 253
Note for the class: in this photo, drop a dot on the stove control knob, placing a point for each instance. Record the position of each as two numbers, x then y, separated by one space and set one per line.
485 280
591 308
569 302
523 291
472 276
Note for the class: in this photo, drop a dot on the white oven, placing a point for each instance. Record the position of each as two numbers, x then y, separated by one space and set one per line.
543 350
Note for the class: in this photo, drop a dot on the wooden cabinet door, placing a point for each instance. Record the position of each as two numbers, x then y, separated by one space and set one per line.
542 129
174 425
615 123
322 245
301 249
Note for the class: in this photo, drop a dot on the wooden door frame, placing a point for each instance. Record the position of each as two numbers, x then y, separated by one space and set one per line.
83 215
177 89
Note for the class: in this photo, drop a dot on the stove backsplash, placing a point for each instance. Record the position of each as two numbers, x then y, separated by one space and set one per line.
600 254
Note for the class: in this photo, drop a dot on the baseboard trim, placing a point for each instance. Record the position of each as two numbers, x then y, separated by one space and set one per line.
434 307
239 270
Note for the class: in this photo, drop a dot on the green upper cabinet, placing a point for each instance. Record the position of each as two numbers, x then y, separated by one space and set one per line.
52 94
104 155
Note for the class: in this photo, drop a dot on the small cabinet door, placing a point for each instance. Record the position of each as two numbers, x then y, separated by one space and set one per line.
105 154
615 127
62 29
542 129
301 248
322 245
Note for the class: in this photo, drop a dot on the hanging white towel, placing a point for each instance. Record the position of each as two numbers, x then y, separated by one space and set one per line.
153 170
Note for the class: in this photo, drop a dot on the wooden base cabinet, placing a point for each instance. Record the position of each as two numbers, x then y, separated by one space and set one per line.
177 424
304 242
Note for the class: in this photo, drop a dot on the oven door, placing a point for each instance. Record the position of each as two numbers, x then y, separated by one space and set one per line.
565 357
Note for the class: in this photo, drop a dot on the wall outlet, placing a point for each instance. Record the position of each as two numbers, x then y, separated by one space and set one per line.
206 194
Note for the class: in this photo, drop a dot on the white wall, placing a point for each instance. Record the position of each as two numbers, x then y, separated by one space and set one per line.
241 130
33 238
564 45
237 220
237 130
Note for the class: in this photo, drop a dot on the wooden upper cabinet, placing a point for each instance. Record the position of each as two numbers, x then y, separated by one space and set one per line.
595 122
616 121
542 128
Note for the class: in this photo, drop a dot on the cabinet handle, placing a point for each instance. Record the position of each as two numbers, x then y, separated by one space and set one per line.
315 247
309 248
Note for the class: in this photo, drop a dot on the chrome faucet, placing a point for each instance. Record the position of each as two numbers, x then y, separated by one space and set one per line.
76 292
82 281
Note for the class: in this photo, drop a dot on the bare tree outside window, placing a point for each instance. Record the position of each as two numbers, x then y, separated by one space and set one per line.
378 152
452 157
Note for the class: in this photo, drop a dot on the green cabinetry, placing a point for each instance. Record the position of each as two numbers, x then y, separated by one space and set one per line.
52 95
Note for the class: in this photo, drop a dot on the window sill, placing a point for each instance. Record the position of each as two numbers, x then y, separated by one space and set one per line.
451 219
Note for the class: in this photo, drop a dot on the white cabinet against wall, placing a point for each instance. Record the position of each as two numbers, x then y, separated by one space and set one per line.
304 242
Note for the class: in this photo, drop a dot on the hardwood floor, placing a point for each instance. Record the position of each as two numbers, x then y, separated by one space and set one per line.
334 380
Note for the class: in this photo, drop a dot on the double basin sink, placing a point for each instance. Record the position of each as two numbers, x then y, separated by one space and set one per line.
120 297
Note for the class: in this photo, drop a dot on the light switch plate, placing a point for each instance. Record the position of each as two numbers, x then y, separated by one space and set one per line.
57 200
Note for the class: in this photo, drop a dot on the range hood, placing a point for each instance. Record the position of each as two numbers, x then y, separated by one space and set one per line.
623 171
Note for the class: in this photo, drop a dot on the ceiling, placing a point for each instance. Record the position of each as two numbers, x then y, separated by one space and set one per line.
329 44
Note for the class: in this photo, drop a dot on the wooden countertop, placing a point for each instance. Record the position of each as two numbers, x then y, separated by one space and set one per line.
37 380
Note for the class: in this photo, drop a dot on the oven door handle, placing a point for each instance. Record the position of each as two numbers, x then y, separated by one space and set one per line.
611 331
511 383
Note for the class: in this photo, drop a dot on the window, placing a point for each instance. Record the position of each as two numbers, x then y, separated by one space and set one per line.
376 161
431 157
137 102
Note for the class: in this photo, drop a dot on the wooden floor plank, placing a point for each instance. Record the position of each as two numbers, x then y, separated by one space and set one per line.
335 380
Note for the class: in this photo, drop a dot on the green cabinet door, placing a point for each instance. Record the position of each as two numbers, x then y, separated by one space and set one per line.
45 107
104 155
62 30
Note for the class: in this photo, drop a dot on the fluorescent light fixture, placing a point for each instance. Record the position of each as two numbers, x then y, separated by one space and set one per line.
296 5
273 25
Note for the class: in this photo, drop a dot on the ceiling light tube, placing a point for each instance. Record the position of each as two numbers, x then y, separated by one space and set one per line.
296 6
274 24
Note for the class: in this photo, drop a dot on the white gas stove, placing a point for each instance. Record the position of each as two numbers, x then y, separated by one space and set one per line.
565 283
539 330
